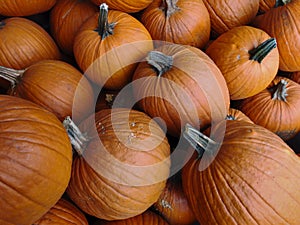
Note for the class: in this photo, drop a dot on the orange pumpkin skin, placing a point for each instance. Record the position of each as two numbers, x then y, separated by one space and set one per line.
23 42
54 85
245 77
127 6
265 5
113 190
66 17
225 15
279 23
25 7
146 218
130 42
179 97
35 161
239 186
295 77
279 116
63 212
188 24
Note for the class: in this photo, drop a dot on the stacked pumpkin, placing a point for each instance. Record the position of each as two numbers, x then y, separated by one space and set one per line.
172 112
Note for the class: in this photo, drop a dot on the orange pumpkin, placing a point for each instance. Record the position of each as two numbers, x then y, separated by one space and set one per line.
128 6
235 114
178 21
35 161
248 59
66 17
265 5
23 42
109 45
295 77
242 183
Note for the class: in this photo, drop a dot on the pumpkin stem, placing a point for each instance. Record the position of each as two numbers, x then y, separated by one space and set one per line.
104 28
230 117
171 7
262 50
280 91
11 75
161 62
77 138
198 140
281 2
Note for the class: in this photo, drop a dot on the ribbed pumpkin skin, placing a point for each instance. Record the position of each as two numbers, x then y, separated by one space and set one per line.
23 42
243 183
101 194
130 42
54 85
146 218
35 161
25 7
244 77
226 15
235 114
280 23
190 25
191 68
265 5
66 17
128 6
280 117
63 212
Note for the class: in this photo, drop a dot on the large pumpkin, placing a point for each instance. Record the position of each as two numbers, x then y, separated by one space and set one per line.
248 59
54 85
23 42
282 23
178 21
66 17
254 179
35 161
276 108
108 46
181 84
25 7
122 165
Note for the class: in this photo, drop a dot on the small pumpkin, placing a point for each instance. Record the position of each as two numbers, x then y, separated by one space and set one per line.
122 163
23 42
178 21
280 23
35 161
25 7
225 15
276 108
54 85
181 84
66 17
251 165
63 212
248 59
108 46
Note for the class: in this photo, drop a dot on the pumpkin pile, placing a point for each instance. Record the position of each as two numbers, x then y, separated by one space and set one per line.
149 112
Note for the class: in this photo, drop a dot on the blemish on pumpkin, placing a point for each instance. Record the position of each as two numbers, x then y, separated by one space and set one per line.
165 204
130 137
132 124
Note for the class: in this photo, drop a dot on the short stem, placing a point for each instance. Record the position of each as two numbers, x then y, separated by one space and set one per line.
281 2
171 7
280 91
198 140
161 62
230 117
11 75
77 138
104 28
262 50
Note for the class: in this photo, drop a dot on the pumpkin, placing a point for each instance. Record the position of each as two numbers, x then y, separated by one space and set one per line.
173 205
66 17
295 77
54 85
242 184
265 5
248 59
235 114
35 161
109 45
225 15
178 21
63 212
23 42
146 218
276 108
25 7
122 163
128 6
180 84
280 23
